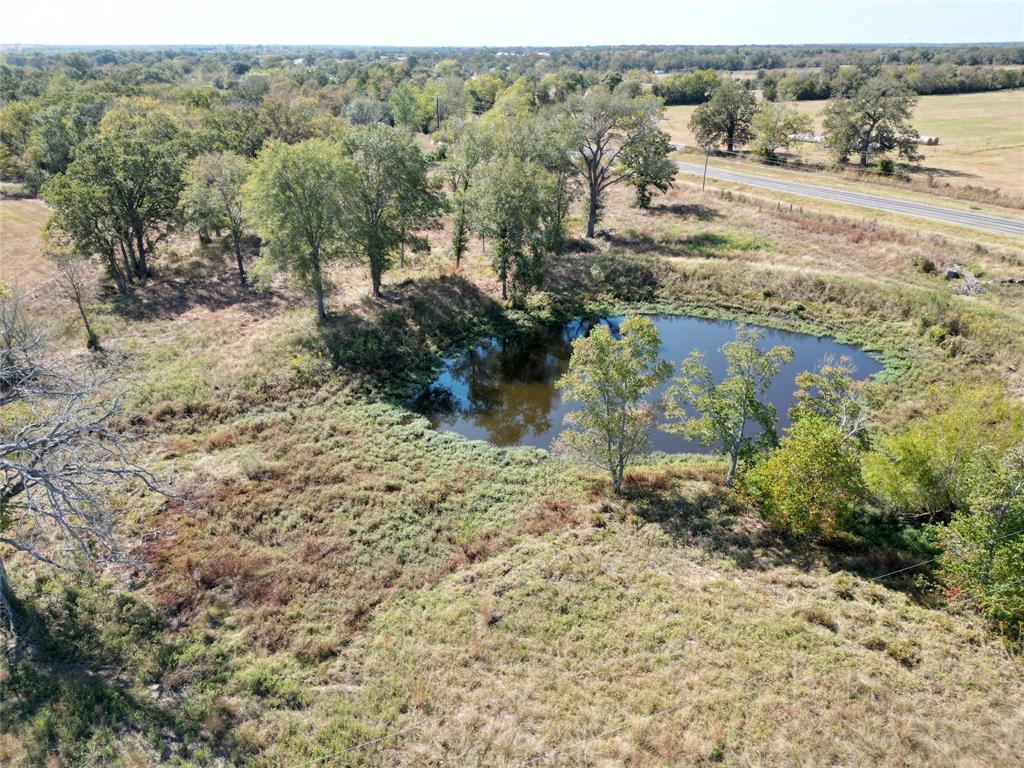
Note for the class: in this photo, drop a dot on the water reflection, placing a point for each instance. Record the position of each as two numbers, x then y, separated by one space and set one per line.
502 390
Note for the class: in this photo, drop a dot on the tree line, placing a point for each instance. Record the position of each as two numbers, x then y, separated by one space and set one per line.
361 192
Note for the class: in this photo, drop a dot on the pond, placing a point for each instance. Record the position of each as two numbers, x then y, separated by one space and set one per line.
503 390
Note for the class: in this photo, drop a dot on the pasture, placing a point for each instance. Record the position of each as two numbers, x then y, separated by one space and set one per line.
981 138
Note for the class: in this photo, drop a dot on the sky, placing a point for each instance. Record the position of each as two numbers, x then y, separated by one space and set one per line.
519 22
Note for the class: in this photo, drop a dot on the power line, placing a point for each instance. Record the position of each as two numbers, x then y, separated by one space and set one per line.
936 559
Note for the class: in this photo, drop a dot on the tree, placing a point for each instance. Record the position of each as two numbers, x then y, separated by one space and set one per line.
603 129
125 180
724 409
407 109
831 393
875 117
725 117
929 468
363 110
773 126
391 195
509 207
63 465
687 88
811 483
651 166
213 196
295 198
466 157
83 217
611 377
983 549
73 279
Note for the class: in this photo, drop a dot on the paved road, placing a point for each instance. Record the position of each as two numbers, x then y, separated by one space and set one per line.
949 215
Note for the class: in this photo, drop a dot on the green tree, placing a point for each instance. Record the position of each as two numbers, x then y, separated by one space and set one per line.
363 110
725 117
811 483
773 125
983 545
295 198
56 131
129 178
650 165
725 409
603 130
85 220
392 195
929 468
465 159
234 129
687 88
213 196
875 117
833 394
611 377
509 208
407 108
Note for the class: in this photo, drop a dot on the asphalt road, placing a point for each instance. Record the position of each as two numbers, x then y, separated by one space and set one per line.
949 215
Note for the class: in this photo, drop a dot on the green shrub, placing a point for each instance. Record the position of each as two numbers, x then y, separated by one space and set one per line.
885 166
983 559
811 483
928 469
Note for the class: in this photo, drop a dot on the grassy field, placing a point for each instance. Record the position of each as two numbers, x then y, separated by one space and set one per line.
333 572
981 138
21 243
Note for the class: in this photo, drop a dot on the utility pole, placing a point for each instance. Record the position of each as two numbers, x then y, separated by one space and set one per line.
706 156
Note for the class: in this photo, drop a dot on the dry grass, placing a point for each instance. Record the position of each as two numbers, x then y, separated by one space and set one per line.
981 138
334 571
21 243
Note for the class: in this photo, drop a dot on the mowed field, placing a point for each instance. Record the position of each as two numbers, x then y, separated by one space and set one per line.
22 264
981 137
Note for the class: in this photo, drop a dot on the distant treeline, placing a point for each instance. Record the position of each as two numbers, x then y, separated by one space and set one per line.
667 58
833 80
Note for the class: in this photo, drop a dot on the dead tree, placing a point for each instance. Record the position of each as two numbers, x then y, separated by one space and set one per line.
74 279
62 458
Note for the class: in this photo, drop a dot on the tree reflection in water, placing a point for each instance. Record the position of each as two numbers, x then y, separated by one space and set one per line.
503 390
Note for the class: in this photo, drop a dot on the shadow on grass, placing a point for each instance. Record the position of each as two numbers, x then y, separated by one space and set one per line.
701 245
712 518
70 694
391 344
694 211
164 298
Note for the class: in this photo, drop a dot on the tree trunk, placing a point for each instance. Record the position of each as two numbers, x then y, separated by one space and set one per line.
318 289
124 242
865 146
92 340
238 257
504 283
8 618
729 135
592 212
375 276
114 271
731 473
143 270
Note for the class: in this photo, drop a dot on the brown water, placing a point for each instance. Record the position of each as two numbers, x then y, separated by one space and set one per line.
503 390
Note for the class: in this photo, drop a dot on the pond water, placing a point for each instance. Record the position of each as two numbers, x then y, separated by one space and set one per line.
503 390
